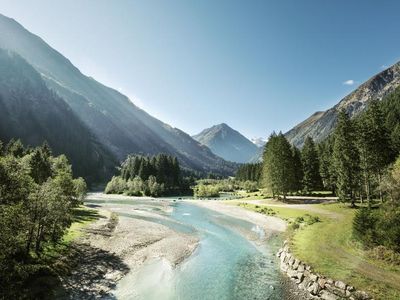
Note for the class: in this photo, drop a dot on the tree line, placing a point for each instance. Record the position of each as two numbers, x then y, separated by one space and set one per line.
251 172
37 196
157 175
352 162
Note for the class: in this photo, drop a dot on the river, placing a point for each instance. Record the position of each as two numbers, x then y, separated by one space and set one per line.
232 260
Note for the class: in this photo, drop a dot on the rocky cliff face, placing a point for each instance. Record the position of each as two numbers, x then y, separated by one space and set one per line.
321 124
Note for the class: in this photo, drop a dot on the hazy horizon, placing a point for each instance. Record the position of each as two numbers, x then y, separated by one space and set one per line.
177 59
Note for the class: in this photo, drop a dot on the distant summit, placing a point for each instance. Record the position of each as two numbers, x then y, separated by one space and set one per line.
227 143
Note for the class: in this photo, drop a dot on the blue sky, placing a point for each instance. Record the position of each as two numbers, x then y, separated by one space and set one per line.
256 65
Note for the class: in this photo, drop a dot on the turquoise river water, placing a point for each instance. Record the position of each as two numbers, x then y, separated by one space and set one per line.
225 265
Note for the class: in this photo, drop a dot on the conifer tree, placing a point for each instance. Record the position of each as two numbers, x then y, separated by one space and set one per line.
346 159
310 161
298 169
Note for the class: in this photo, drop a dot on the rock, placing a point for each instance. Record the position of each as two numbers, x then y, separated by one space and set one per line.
350 288
271 287
292 273
313 277
284 267
308 268
313 288
301 268
296 264
291 261
325 295
330 281
300 277
322 282
361 295
341 285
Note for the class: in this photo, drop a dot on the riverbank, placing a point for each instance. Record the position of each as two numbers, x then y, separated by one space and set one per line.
108 252
328 246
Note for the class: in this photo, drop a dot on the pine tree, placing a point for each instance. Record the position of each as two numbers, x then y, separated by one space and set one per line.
346 159
298 169
373 142
309 157
278 166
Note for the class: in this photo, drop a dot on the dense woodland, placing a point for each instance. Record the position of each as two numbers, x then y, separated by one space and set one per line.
155 176
37 196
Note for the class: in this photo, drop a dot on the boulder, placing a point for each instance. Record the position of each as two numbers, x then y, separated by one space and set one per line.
301 268
361 295
313 288
313 277
325 295
296 264
292 273
291 261
322 282
341 285
300 277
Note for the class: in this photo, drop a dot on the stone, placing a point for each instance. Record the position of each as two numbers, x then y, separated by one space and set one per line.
350 288
300 277
291 261
361 295
313 277
301 268
296 264
308 268
284 267
313 288
322 282
341 285
325 295
292 273
330 281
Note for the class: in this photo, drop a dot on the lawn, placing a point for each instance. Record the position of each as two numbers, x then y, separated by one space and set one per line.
329 248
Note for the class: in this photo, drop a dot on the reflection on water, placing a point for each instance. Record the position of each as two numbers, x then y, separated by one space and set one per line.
224 266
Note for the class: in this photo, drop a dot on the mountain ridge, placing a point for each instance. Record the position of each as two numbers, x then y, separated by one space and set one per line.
320 124
227 143
115 121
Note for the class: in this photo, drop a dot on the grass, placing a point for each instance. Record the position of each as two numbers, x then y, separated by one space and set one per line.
329 248
82 217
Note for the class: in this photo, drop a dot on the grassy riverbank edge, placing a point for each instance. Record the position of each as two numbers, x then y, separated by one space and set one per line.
327 245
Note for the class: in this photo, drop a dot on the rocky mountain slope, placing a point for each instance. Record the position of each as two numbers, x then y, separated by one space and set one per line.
321 124
33 113
227 143
119 125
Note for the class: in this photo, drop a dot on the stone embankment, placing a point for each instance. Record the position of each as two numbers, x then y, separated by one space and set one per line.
316 285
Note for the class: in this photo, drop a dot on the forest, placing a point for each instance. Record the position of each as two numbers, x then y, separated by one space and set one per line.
155 176
37 197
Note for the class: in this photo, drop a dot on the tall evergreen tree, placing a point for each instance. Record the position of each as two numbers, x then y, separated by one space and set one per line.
310 161
278 169
373 142
298 169
346 159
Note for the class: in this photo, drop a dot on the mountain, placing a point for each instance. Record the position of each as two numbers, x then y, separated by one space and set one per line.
321 124
33 113
120 126
227 143
259 142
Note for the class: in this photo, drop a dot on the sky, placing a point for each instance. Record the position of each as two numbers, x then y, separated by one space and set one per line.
259 66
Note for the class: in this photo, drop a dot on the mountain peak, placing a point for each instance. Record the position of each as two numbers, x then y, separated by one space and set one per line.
228 143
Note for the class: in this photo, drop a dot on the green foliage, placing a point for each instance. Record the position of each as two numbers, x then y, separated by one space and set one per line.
149 176
310 162
249 172
278 168
346 159
378 227
37 195
206 191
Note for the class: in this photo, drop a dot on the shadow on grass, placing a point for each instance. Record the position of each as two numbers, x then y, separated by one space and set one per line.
81 215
